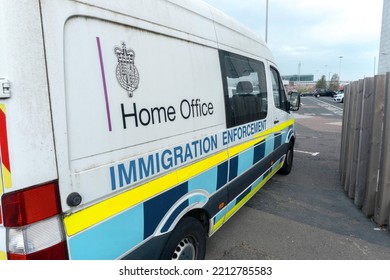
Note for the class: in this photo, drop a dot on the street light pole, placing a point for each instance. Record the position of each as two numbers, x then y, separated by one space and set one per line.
341 57
299 73
266 21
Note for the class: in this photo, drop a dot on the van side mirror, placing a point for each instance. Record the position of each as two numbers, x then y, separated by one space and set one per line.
295 101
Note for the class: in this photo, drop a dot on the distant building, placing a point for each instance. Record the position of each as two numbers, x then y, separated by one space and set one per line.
384 51
299 78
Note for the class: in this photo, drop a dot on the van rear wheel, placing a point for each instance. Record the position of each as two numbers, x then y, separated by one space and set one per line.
288 161
187 241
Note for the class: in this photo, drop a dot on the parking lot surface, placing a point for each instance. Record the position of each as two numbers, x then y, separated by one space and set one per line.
305 215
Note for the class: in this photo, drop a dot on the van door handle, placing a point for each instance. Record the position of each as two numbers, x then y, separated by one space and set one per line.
276 121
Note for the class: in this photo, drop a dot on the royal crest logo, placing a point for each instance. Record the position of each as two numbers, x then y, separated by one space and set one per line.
126 72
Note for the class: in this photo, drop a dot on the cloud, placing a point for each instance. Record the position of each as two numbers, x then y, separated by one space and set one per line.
315 32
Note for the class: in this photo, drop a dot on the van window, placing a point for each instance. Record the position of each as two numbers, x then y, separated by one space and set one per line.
245 89
279 93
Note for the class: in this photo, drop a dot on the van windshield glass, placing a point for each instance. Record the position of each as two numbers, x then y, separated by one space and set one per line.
245 89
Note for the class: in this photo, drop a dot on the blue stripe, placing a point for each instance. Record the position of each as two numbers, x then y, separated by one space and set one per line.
243 195
257 182
111 238
222 174
174 215
233 166
267 172
207 181
259 152
156 208
245 161
278 141
220 215
269 146
197 199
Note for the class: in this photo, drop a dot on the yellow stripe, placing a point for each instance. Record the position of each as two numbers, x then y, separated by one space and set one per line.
6 177
263 134
112 206
242 147
6 181
249 195
218 224
2 185
190 171
88 217
282 126
3 255
258 138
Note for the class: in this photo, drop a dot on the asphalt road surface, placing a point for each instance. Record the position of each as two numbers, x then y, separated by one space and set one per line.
305 215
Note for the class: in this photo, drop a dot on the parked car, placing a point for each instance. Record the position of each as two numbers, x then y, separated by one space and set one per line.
322 92
339 97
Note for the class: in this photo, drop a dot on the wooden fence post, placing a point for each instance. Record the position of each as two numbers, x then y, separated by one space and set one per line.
374 147
349 138
355 137
345 135
382 208
365 146
366 119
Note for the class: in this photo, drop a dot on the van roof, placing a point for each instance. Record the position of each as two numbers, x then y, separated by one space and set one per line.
193 17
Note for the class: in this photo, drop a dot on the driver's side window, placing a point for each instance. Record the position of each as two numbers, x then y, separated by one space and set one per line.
279 93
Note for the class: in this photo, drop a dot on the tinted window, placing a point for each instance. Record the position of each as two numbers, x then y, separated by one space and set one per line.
245 89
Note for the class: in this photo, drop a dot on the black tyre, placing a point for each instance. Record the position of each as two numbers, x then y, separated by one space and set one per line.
288 161
187 241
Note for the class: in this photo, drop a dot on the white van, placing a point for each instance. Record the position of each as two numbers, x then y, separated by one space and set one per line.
131 129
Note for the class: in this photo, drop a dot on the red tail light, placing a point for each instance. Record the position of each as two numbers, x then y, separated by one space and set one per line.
34 225
31 205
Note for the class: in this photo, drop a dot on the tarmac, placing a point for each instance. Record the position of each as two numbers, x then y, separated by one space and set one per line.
305 215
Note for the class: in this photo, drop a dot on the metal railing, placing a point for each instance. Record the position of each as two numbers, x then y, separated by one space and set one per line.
365 146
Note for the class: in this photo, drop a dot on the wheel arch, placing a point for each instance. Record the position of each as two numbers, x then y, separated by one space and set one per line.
291 136
192 205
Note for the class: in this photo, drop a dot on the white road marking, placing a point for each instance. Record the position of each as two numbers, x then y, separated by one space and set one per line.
336 123
309 153
334 109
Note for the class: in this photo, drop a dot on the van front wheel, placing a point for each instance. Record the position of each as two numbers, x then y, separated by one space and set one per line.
187 241
288 161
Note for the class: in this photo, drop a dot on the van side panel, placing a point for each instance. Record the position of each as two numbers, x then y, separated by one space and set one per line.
140 124
172 118
173 100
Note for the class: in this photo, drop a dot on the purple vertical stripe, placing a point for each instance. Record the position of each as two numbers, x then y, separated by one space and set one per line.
104 84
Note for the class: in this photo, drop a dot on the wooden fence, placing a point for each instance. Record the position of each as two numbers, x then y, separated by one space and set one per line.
365 146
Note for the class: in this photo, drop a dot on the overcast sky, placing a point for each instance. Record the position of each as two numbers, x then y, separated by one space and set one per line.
316 33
